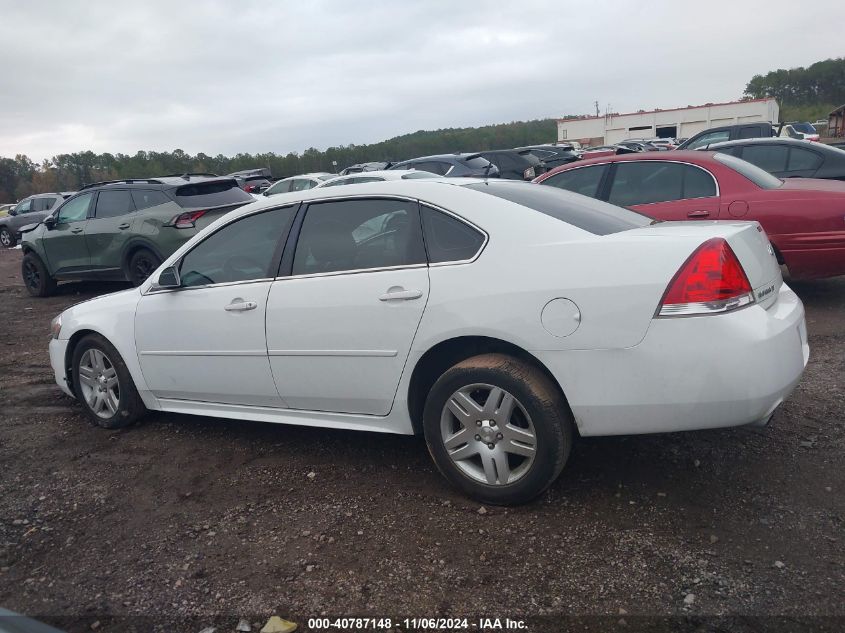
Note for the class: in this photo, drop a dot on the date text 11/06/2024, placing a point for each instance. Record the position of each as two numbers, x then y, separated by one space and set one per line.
417 624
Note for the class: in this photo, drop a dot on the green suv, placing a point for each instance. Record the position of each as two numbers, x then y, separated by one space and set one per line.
123 230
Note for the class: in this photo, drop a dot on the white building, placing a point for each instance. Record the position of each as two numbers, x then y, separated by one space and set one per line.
674 123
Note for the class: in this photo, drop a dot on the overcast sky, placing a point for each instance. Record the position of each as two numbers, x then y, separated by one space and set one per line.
227 77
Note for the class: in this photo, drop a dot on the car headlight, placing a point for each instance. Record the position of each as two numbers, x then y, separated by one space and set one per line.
56 326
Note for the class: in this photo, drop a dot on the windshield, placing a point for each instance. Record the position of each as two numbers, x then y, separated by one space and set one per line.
594 216
804 128
762 179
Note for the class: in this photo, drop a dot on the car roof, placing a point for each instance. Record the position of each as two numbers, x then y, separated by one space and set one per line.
456 156
678 156
768 140
162 182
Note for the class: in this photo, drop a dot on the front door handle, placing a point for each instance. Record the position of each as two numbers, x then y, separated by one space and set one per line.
398 293
701 213
77 229
239 305
123 226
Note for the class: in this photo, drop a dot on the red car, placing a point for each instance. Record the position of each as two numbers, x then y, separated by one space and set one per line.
803 217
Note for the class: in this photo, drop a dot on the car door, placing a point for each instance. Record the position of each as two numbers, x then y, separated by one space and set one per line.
205 341
341 320
64 243
109 228
665 190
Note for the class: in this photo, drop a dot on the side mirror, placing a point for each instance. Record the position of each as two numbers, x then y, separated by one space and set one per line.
169 278
50 222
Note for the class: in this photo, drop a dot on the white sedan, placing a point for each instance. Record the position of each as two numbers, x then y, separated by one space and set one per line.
494 318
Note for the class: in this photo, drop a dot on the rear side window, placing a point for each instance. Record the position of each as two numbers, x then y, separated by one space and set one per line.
435 167
44 204
749 132
767 157
146 198
447 239
111 204
586 214
802 160
211 194
583 180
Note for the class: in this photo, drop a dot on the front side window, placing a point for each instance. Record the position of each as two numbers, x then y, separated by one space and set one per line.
23 207
770 158
111 204
583 180
75 209
358 234
708 139
301 184
434 167
447 239
240 251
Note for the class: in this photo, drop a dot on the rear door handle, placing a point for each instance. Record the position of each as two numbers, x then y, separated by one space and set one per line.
239 305
701 213
123 226
76 230
400 294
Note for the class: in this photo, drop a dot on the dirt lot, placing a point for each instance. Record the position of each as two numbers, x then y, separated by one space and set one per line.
210 520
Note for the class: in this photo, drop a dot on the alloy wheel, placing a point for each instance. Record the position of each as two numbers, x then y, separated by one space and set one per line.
5 238
144 267
31 276
99 383
488 434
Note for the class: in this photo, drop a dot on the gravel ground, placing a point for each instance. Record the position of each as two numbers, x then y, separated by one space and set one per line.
196 520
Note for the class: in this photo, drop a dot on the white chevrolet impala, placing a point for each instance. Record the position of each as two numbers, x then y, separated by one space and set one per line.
494 318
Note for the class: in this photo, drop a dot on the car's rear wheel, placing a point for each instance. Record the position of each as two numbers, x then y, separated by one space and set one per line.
7 238
141 265
36 278
497 428
103 384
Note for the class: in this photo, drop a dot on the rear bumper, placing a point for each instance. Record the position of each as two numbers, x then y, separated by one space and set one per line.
689 373
58 347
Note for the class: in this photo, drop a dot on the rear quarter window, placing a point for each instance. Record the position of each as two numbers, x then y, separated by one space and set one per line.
216 193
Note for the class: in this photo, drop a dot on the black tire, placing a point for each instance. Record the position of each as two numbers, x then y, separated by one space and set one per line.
129 406
539 398
7 238
36 277
141 265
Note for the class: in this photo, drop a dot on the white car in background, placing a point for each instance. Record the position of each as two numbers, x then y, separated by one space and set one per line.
377 176
494 318
302 182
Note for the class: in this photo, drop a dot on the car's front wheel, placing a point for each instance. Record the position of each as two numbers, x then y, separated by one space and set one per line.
142 264
36 277
498 428
104 385
7 238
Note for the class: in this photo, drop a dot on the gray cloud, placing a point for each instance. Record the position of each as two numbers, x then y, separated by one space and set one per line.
226 77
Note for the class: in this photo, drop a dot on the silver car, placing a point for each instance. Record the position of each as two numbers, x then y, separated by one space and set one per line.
30 210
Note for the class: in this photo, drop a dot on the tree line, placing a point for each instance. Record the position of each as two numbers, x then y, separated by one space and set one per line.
819 83
21 177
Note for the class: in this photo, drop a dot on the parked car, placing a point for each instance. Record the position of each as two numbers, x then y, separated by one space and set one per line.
298 183
802 216
376 176
452 165
800 130
788 158
357 169
637 146
515 164
495 318
552 155
763 129
605 150
30 210
123 229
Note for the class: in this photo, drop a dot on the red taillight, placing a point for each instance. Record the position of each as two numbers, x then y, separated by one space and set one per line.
187 220
711 280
